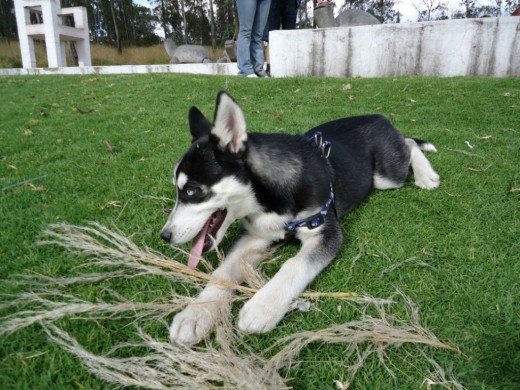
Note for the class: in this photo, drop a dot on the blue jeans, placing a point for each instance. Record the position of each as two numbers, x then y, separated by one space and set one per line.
252 17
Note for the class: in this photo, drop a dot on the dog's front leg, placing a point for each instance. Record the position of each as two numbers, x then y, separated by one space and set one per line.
269 305
196 321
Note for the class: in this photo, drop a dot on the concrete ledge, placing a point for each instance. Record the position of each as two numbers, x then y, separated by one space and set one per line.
466 47
227 69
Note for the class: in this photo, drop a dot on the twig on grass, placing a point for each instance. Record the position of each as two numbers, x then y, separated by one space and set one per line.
412 260
21 183
158 198
81 111
465 153
109 146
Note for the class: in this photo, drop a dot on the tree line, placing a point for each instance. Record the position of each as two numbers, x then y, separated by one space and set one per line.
211 22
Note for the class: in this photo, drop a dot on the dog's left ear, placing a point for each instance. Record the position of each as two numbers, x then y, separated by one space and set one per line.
199 125
229 126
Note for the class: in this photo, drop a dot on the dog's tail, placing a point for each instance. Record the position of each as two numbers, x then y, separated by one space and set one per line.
425 146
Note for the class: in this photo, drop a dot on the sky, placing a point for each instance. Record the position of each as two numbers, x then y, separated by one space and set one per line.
406 8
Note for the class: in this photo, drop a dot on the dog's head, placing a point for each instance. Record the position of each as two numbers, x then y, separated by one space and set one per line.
210 179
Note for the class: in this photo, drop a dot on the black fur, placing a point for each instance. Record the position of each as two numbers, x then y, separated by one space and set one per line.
361 146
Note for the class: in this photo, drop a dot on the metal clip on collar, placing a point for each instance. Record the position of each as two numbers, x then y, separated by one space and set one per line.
323 146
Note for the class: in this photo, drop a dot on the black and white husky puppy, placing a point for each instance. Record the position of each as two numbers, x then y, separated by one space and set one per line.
278 185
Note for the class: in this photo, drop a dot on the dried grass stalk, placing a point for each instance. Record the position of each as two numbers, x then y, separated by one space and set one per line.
363 337
63 305
110 248
412 260
439 377
169 366
226 362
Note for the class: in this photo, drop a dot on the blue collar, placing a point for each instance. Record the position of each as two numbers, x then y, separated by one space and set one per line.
318 219
315 220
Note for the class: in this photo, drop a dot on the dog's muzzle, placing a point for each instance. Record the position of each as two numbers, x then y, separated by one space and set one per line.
204 240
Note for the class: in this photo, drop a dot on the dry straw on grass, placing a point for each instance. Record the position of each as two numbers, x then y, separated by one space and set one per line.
176 366
226 361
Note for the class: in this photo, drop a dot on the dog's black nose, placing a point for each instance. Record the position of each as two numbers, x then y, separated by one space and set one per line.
166 235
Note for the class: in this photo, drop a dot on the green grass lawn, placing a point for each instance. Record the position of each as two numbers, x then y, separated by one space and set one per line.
102 149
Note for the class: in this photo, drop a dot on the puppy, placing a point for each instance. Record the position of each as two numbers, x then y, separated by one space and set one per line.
279 185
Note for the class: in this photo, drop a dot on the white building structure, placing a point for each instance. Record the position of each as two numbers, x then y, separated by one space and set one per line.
45 20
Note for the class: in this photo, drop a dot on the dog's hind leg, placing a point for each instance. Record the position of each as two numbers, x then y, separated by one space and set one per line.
197 320
269 305
425 176
384 183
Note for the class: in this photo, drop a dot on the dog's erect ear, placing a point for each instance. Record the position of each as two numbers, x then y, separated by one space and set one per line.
199 125
229 126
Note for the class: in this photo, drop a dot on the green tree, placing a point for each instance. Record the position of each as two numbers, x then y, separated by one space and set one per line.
7 20
226 21
472 9
430 10
118 21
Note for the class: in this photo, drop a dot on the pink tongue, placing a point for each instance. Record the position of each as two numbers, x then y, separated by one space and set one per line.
196 251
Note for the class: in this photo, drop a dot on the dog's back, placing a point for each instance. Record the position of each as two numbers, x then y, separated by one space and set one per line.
363 148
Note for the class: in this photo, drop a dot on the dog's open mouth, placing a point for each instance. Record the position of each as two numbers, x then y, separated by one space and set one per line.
204 240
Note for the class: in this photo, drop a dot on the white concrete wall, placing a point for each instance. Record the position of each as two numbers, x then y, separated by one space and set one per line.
468 47
226 69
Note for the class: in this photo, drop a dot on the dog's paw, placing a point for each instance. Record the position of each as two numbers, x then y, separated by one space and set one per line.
260 316
428 181
192 324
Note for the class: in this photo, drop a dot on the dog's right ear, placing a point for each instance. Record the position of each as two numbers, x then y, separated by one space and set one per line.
199 125
230 125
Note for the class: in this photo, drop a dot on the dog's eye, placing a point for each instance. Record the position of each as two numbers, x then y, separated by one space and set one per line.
192 192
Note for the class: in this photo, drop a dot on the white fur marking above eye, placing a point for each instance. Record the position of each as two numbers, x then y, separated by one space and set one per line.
181 181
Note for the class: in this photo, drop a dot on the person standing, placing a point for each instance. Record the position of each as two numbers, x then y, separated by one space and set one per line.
282 15
252 18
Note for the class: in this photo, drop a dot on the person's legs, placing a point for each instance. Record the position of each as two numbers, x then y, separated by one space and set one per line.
246 16
273 11
257 47
288 14
274 22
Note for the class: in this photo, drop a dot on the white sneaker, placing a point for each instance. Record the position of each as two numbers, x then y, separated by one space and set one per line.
252 75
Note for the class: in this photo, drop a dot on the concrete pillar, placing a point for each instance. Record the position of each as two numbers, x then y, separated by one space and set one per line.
55 54
82 45
26 42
